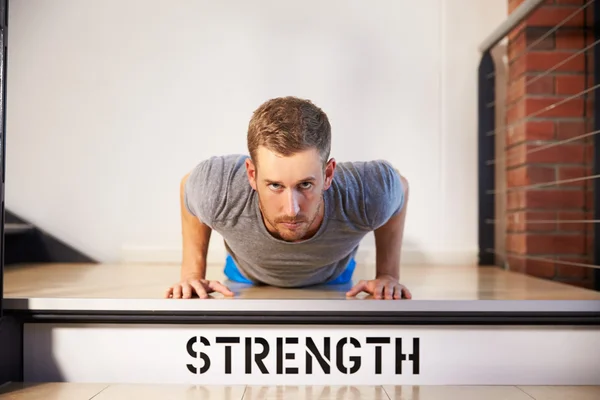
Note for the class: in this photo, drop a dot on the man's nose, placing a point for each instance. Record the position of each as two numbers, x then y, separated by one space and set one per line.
293 205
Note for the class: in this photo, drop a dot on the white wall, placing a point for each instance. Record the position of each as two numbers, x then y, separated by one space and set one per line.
111 102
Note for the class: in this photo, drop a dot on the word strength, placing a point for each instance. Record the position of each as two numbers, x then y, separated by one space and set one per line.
292 356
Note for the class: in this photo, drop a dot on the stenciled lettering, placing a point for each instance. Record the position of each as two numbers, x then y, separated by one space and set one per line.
228 341
378 341
324 360
256 350
288 356
414 356
190 349
356 362
258 358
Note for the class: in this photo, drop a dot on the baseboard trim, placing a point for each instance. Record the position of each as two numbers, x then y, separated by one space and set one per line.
366 254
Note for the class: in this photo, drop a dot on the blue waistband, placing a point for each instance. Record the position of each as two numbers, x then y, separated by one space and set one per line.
233 273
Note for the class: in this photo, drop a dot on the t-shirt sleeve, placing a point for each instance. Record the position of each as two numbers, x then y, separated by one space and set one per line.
202 193
384 192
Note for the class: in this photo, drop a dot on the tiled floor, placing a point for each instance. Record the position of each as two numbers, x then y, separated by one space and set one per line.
81 391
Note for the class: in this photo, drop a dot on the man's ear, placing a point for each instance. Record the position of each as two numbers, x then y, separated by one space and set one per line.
329 172
251 172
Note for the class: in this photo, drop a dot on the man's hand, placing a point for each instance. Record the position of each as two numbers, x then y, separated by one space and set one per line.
202 287
383 287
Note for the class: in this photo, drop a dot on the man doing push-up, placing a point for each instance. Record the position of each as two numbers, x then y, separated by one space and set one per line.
290 216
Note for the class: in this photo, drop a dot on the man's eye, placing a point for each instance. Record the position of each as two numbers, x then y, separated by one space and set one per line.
306 185
275 186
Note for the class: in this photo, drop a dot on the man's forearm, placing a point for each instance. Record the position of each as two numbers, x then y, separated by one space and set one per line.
195 241
388 242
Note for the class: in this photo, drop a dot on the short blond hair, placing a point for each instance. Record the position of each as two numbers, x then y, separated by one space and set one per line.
287 125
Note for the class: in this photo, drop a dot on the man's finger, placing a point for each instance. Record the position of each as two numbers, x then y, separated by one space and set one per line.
389 291
359 287
398 291
186 290
168 293
200 291
177 291
219 287
378 291
407 293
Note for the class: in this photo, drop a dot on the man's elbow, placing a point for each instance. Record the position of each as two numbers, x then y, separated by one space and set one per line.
405 186
404 182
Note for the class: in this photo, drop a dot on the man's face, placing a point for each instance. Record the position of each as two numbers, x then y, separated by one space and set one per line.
290 191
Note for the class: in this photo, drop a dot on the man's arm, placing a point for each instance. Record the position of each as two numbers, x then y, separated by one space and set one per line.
388 241
196 237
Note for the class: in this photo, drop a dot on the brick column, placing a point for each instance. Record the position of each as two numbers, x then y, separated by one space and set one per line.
530 90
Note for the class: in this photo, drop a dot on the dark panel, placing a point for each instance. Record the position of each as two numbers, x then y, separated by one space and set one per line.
596 111
486 146
11 350
3 30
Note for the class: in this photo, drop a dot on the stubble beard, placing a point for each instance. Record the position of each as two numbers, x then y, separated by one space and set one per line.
280 232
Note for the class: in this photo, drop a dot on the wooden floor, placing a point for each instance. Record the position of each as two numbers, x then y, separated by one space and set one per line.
150 281
80 391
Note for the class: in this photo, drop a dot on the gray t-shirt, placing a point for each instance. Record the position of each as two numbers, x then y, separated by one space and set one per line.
362 197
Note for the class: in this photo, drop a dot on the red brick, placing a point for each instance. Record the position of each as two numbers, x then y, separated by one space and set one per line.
524 221
540 268
515 112
564 153
571 271
589 198
549 16
515 243
569 129
516 48
554 107
571 216
516 90
590 40
591 82
517 68
569 40
589 22
516 31
530 175
589 273
515 264
538 39
549 199
555 244
589 126
569 153
531 130
572 172
540 85
539 130
544 60
515 200
589 152
570 84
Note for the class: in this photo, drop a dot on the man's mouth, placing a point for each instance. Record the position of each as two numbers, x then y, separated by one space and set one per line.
292 225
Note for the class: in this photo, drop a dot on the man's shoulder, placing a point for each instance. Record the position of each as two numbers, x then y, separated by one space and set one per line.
220 163
217 186
371 191
378 171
